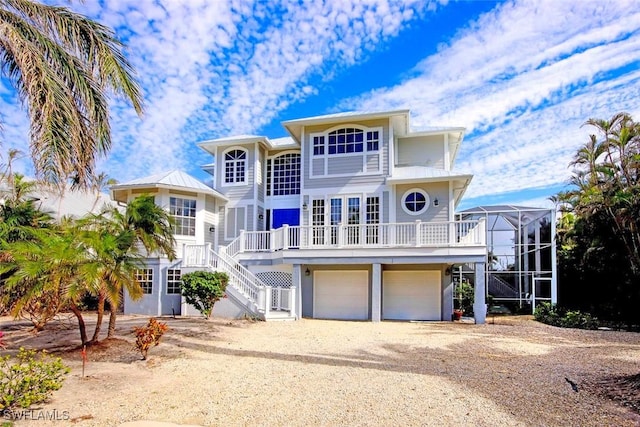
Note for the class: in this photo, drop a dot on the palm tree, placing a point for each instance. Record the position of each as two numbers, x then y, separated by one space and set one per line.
64 66
116 238
152 227
56 265
116 258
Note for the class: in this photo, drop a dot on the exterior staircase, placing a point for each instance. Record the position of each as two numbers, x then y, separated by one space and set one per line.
245 289
500 288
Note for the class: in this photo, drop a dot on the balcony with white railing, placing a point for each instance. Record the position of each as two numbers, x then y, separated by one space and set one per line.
398 235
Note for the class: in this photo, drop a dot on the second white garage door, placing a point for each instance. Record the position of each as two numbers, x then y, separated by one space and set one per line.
341 295
411 295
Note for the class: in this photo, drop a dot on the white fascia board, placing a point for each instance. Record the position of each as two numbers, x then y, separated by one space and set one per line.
213 192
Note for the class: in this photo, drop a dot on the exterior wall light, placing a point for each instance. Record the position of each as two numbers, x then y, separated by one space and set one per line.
307 272
212 229
436 202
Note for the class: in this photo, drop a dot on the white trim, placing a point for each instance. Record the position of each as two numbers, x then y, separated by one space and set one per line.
223 176
226 219
303 158
256 162
391 156
411 191
447 162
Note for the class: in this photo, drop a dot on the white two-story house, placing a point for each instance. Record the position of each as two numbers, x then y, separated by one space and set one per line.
351 216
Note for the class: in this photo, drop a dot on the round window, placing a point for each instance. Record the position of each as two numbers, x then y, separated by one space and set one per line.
415 201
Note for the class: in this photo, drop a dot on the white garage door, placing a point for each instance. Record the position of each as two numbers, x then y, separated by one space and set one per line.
341 295
411 295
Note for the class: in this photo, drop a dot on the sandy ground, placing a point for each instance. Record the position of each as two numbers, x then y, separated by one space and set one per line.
511 372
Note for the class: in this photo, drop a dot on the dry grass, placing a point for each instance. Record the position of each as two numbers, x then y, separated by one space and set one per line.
315 372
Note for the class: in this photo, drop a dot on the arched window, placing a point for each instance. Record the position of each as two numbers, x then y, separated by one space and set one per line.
283 175
415 201
235 166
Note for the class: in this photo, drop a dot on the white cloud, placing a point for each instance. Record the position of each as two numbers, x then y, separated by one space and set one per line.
522 79
216 68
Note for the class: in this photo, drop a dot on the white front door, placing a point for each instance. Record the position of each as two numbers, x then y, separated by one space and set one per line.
411 295
341 294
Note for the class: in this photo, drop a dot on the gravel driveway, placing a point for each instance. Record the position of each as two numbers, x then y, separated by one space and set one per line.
330 373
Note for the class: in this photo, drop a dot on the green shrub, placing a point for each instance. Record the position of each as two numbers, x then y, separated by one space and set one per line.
553 315
148 336
547 313
203 289
29 379
578 319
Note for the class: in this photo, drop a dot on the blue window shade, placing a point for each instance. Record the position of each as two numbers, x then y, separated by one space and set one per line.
285 216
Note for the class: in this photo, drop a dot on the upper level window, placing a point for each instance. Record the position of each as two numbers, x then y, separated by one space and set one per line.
183 212
318 145
415 201
283 175
345 141
235 165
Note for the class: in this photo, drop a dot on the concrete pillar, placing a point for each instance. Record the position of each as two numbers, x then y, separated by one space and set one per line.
297 285
479 303
447 294
376 292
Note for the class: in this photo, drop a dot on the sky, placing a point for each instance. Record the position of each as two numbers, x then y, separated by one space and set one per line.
521 76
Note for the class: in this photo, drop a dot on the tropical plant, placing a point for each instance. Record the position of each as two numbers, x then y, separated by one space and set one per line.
115 238
56 262
64 66
29 379
145 223
599 230
149 336
203 289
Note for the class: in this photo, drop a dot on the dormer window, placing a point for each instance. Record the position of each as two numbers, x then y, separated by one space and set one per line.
235 167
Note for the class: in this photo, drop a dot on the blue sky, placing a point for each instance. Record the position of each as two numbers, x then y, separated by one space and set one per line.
520 76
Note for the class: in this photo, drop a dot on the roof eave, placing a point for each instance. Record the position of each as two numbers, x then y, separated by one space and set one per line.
210 192
205 145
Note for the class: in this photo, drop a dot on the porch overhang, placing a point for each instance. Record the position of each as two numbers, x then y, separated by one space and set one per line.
451 255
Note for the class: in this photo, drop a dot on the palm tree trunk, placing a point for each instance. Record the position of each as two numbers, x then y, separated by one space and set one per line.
112 322
81 325
96 332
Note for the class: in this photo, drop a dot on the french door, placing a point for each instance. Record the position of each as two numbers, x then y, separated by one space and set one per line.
338 220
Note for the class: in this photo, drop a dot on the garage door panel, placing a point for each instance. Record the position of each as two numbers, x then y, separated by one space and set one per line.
411 295
341 295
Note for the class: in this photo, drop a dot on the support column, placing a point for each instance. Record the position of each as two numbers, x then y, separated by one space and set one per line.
297 285
554 265
479 303
376 292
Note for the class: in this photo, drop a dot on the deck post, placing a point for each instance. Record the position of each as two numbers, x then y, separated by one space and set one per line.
285 236
418 237
242 241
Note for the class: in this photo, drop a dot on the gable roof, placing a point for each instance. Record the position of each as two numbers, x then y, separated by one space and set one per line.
294 127
175 179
